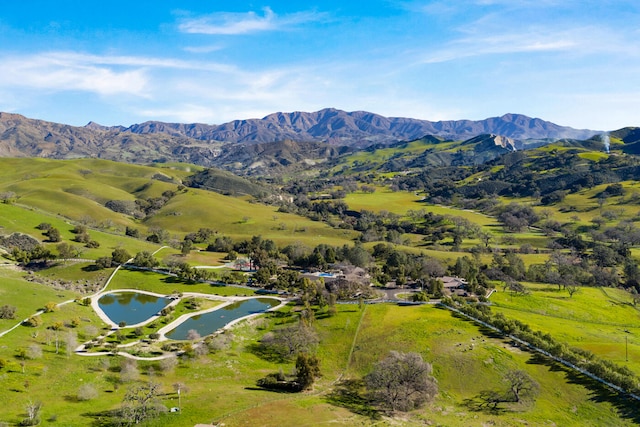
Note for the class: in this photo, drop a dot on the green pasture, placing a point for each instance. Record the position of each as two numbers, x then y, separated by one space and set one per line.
581 207
410 149
165 285
465 358
79 188
28 297
400 202
221 384
202 257
240 219
602 320
593 156
466 362
57 191
15 218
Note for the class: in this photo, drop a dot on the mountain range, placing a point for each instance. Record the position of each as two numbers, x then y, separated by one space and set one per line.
358 127
322 132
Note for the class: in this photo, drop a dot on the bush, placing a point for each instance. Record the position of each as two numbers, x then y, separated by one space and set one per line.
87 392
33 321
50 307
127 207
104 262
7 312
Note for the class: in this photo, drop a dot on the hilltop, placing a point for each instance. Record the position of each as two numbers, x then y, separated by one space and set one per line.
358 128
552 229
322 135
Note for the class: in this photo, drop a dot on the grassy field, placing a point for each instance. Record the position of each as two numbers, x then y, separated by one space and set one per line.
601 320
64 193
240 219
163 284
221 385
400 202
466 362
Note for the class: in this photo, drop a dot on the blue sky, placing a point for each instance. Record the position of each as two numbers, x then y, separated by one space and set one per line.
576 63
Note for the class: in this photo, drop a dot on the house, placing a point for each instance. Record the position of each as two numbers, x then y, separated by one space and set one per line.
454 285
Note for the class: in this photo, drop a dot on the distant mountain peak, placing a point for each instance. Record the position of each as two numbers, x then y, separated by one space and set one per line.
95 126
201 143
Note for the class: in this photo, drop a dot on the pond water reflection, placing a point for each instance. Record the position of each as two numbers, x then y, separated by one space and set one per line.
131 307
208 323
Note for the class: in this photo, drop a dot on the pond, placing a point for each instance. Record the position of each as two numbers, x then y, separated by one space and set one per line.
208 323
131 307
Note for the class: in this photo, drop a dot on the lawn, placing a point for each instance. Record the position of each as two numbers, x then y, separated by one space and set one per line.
165 285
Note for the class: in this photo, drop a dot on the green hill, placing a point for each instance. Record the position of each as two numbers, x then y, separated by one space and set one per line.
80 191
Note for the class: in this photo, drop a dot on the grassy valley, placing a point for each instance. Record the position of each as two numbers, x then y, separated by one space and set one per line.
547 237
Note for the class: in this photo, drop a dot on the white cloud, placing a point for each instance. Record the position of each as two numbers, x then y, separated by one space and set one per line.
203 49
103 75
503 44
244 23
573 41
54 73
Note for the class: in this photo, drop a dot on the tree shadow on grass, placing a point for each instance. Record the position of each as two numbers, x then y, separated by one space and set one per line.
279 314
347 394
627 407
320 316
103 418
264 353
481 404
175 280
272 390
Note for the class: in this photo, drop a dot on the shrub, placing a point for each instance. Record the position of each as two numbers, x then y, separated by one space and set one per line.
50 307
7 312
33 321
87 392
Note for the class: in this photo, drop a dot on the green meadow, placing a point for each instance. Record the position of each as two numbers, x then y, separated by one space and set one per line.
602 320
65 193
221 385
400 202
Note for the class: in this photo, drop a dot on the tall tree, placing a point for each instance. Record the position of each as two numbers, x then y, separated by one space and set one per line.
401 382
140 403
521 386
307 370
120 256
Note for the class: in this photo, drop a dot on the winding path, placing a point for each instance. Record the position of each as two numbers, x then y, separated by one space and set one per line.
81 350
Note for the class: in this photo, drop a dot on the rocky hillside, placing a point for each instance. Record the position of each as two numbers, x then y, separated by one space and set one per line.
301 138
24 137
359 128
